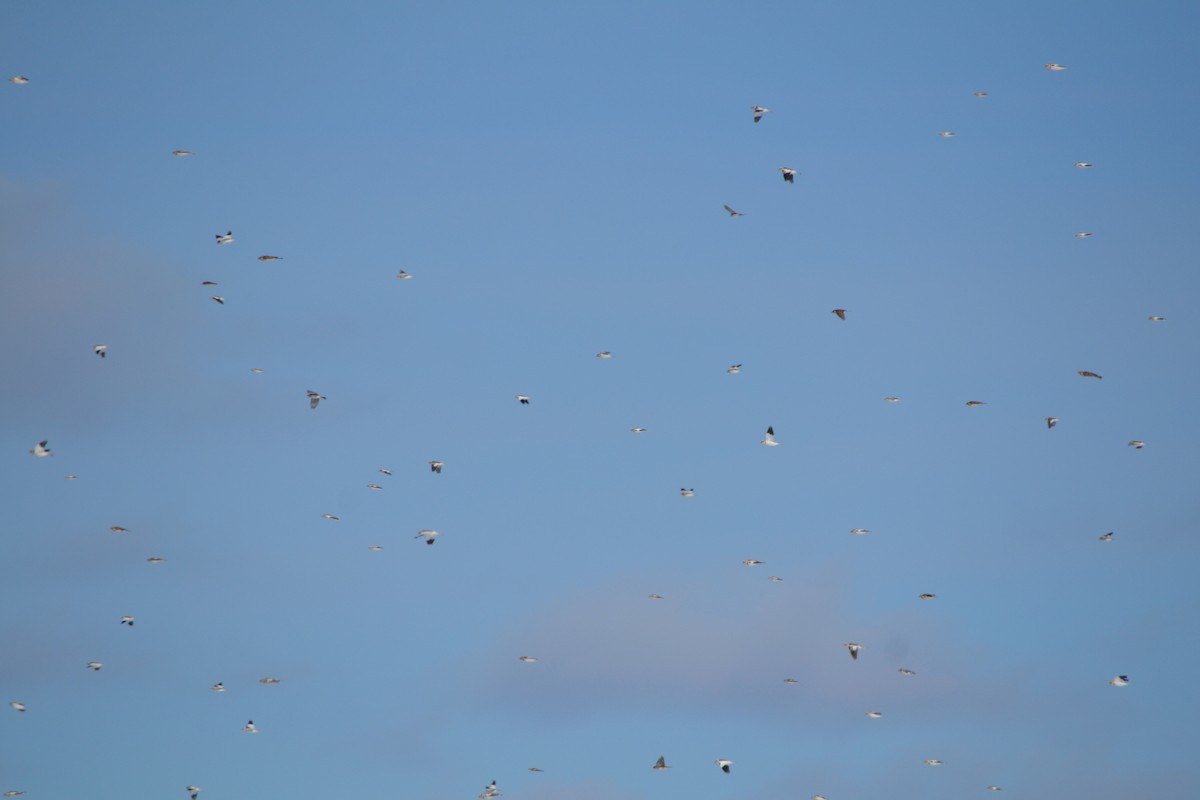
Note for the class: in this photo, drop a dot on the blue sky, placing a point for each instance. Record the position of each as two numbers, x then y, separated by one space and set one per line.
553 176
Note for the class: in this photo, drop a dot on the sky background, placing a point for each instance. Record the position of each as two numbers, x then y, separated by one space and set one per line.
552 175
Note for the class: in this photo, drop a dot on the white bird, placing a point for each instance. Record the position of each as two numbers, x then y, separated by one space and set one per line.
249 727
604 354
17 706
524 398
1157 319
94 666
490 791
385 471
853 647
752 562
193 791
933 762
217 687
1084 165
789 175
1137 444
314 399
637 430
1106 537
528 659
892 399
101 350
724 764
688 492
374 548
981 94
661 763
40 449
436 466
734 369
269 680
733 213
18 80
947 134
774 579
217 298
13 793
127 620
270 258
1083 234
72 477
402 275
1120 680
225 238
874 714
769 439
860 531
819 797
758 112
427 535
331 516
1055 67
375 487
655 596
993 788
181 153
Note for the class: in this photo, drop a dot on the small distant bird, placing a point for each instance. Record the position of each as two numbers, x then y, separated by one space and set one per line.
860 531
947 134
94 666
249 727
1137 444
427 535
1157 319
655 596
841 313
1083 373
604 354
181 153
1120 680
218 299
637 430
687 492
535 769
818 797
790 680
733 213
993 788
527 659
436 466
981 94
1084 165
734 369
208 283
789 175
225 238
758 112
926 596
774 579
193 792
933 762
490 791
402 275
853 647
331 516
270 258
1083 234
724 764
118 529
17 706
769 439
976 403
72 477
375 486
385 471
752 562
661 763
374 548
1051 422
13 793
874 714
217 687
127 620
155 560
40 449
21 80
101 350
907 672
524 398
314 399
1106 537
892 399
269 681
1055 67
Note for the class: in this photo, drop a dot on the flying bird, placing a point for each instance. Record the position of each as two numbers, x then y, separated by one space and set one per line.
17 706
604 354
101 350
769 439
687 492
734 369
427 535
208 283
841 313
993 788
1137 444
860 531
933 762
1083 234
181 153
225 238
436 466
853 647
21 80
270 258
331 516
661 763
94 665
217 687
524 398
535 769
733 213
72 477
724 764
1055 67
257 370
874 714
527 659
490 791
249 727
926 596
1120 680
193 792
906 672
385 471
155 560
118 529
1083 373
40 449
789 175
1051 422
127 620
269 681
758 112
1157 319
374 548
1106 537
637 430
1084 165
655 596
402 275
752 562
790 680
892 399
774 579
375 487
218 299
13 793
976 403
947 134
981 94
314 399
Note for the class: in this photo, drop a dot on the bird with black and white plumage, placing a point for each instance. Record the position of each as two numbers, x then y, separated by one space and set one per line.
933 762
774 579
926 596
436 466
383 471
733 213
947 134
789 174
225 238
1106 537
18 80
655 596
687 492
860 531
1120 680
637 430
1051 422
908 673
853 647
1056 67
892 399
759 111
100 350
1137 444
1083 165
604 354
1083 234
1154 318
18 706
428 535
332 517
95 666
270 258
375 487
217 687
523 398
527 659
250 727
724 764
661 764
314 399
40 450
13 793
374 548
769 439
752 562
490 791
193 792
216 298
269 680
993 788
127 620
981 94
734 369
874 714
840 313
404 276
181 153
790 680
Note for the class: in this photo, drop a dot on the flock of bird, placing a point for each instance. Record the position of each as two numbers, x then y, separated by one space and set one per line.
42 449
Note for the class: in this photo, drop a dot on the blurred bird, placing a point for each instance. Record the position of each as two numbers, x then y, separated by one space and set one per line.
225 238
535 769
1157 319
774 579
208 283
72 477
118 529
1120 680
661 763
892 399
375 487
402 275
1051 422
947 134
385 471
13 793
789 175
249 727
874 714
1083 373
17 706
217 687
436 466
752 562
524 398
314 399
181 153
269 681
790 680
688 492
933 762
981 94
637 430
270 258
374 548
724 764
155 560
733 213
1137 444
127 620
427 535
926 596
101 350
993 788
976 403
841 313
758 112
860 531
40 450
655 596
734 369
1106 537
604 354
527 659
94 666
853 647
490 791
218 299
1055 67
769 439
1084 165
331 516
1083 235
906 672
193 792
21 80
